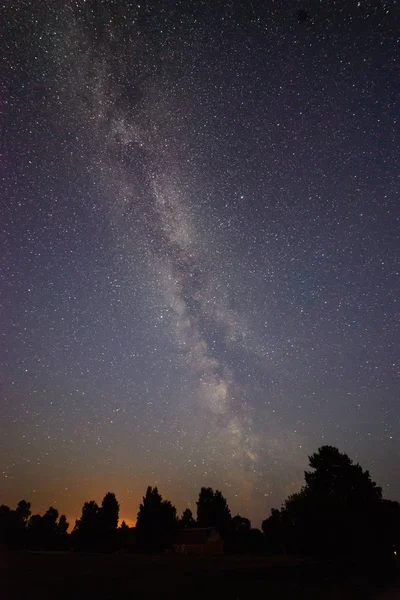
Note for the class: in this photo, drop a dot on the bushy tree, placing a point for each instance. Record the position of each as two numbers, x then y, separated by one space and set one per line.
86 531
13 524
237 538
273 529
213 511
109 512
187 521
336 513
96 529
89 519
47 532
240 524
336 476
62 526
5 520
108 516
255 541
157 522
23 512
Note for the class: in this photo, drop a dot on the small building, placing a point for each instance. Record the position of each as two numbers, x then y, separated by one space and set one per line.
199 541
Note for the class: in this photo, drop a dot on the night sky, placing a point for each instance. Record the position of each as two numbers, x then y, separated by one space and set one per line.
199 248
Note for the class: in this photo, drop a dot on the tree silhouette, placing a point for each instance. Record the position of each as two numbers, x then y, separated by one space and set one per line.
13 524
109 512
62 526
274 531
335 475
85 533
390 525
336 513
96 529
23 512
240 524
89 518
125 537
49 528
50 519
5 519
255 541
46 533
237 538
108 515
213 511
35 533
156 522
187 521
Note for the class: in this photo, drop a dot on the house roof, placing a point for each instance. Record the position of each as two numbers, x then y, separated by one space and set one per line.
196 536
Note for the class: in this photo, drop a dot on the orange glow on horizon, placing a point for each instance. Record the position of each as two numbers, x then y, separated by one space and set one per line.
128 521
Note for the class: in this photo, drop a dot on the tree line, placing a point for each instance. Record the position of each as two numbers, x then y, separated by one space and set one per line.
339 512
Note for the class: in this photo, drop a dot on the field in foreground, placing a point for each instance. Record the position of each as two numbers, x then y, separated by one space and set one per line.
86 576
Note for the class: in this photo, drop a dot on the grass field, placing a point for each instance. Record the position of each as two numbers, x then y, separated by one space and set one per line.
75 576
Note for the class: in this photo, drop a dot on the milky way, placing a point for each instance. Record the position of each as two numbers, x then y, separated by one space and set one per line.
201 249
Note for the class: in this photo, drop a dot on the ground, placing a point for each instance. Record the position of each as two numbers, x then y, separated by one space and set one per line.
74 576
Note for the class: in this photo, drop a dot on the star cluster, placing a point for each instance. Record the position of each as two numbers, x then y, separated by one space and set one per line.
200 248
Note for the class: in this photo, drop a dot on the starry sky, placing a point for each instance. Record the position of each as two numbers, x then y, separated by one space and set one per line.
199 248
